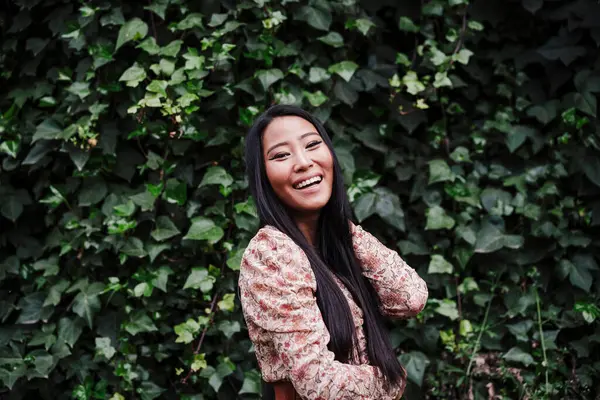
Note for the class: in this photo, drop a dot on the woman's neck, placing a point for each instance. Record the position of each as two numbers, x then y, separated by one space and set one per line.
308 226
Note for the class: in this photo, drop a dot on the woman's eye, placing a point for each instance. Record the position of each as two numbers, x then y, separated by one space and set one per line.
279 155
313 144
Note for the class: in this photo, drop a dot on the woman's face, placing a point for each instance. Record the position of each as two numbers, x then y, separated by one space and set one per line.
299 164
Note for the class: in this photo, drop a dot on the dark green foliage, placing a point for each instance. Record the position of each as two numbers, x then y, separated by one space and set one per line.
468 134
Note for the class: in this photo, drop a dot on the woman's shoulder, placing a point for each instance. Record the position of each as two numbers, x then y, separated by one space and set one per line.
271 250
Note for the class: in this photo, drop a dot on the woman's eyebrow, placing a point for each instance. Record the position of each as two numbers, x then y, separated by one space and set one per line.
285 143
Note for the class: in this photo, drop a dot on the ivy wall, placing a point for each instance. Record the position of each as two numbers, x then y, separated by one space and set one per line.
468 135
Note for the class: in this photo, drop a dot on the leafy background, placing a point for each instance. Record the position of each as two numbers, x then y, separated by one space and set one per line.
468 135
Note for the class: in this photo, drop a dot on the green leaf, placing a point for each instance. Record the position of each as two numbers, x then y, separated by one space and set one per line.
227 303
332 39
172 49
447 308
69 330
134 29
176 192
515 354
185 332
47 129
439 171
490 239
165 229
415 364
316 17
204 229
591 168
229 328
139 322
133 75
31 308
315 99
364 25
365 206
162 278
216 176
269 77
158 86
439 265
345 69
134 247
578 274
406 24
11 376
252 383
437 219
11 208
149 46
317 74
199 279
87 302
412 83
92 192
104 347
463 56
193 20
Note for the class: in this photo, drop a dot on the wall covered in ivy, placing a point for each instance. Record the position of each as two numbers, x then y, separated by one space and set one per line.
469 141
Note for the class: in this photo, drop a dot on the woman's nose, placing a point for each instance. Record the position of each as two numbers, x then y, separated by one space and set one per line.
303 161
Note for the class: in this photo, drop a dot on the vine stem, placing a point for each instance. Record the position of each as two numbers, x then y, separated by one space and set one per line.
539 314
483 326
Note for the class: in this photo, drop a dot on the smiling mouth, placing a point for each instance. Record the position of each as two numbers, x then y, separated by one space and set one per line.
309 183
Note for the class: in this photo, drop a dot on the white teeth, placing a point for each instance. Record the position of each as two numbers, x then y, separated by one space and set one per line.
308 182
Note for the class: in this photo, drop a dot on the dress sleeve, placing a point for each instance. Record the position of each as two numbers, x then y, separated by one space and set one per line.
402 292
277 289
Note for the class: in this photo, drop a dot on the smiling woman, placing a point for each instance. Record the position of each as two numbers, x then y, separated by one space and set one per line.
314 286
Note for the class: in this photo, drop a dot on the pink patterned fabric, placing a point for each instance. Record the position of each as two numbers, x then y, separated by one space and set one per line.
277 293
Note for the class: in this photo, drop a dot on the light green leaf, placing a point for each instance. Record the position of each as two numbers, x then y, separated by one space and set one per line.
317 74
104 347
315 99
333 39
412 83
364 25
133 75
227 303
345 69
216 176
204 229
252 383
193 20
515 354
172 49
442 80
134 29
165 229
406 24
438 219
149 46
463 56
439 171
199 279
158 86
447 308
229 328
439 265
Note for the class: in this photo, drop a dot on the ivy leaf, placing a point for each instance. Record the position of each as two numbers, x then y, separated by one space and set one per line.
134 29
87 302
199 279
269 77
47 129
406 24
332 39
104 347
227 303
139 322
437 219
365 206
412 83
345 69
515 354
69 330
216 176
31 308
439 171
317 74
316 17
439 265
252 383
415 364
204 229
315 99
193 20
133 75
229 328
165 229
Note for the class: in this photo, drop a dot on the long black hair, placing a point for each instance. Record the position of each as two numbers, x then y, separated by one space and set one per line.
335 252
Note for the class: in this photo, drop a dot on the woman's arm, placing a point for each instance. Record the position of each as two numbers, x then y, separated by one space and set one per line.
277 294
401 290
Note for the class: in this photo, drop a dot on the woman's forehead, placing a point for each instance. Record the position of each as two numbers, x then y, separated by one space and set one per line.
287 128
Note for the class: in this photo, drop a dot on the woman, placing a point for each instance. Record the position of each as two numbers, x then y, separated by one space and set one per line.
314 287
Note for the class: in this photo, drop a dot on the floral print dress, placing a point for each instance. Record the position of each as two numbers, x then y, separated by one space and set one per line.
277 293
